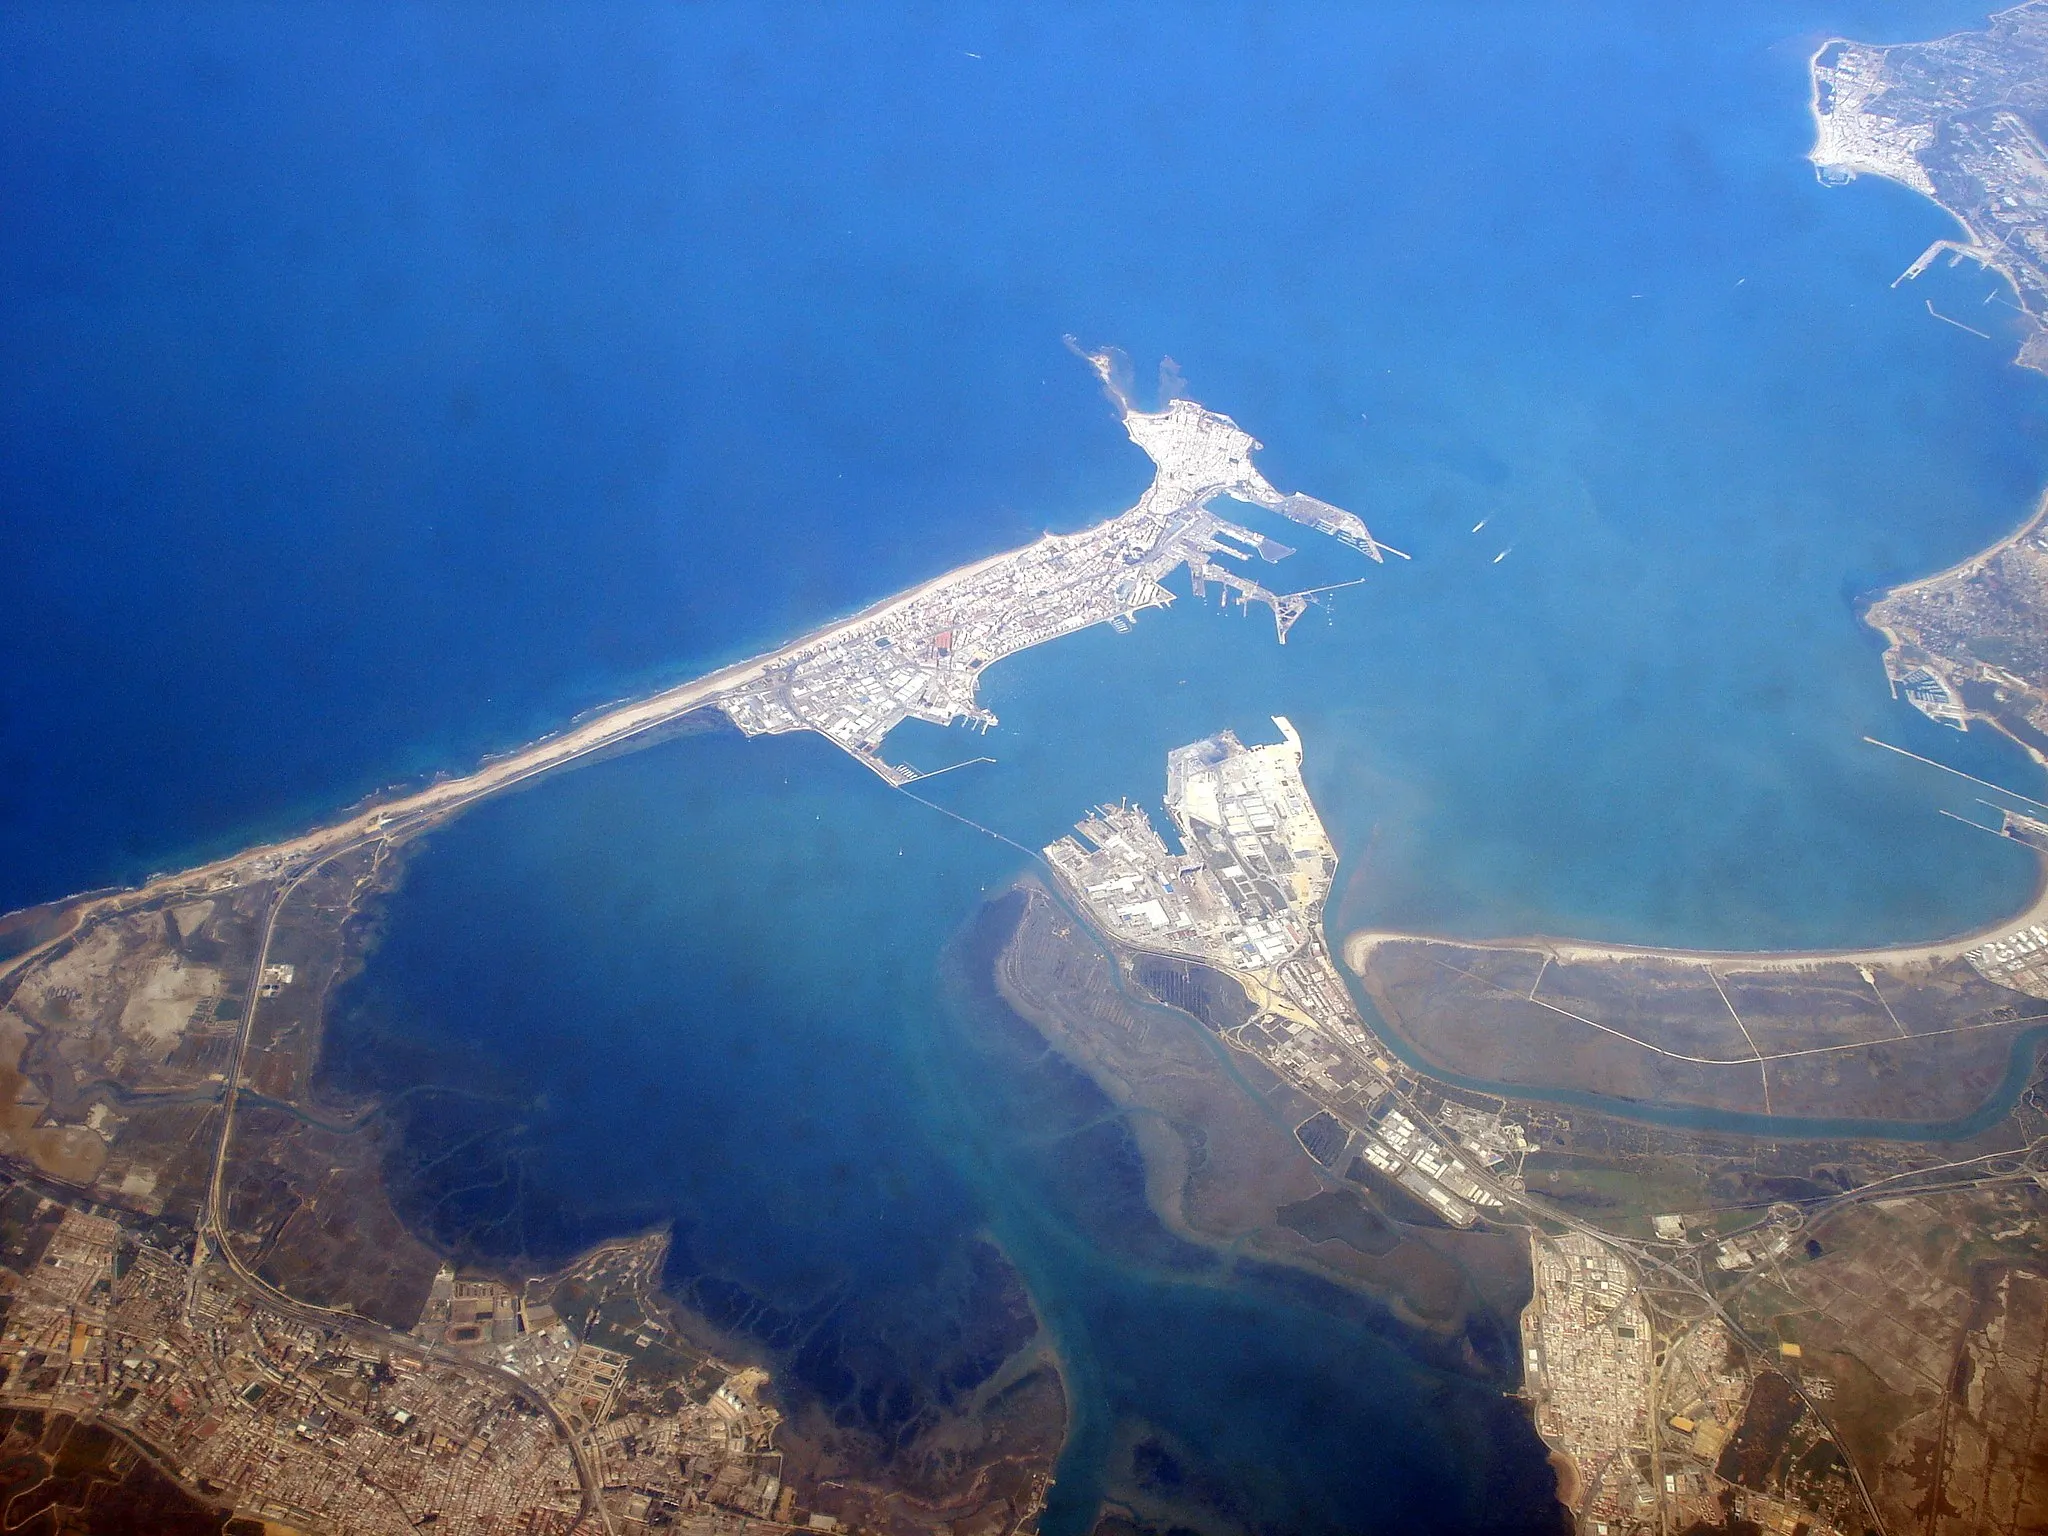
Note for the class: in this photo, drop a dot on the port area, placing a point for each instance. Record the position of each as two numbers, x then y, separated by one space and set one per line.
922 655
1950 118
918 654
1245 897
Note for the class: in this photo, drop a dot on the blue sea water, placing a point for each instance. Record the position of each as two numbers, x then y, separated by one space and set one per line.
383 386
672 988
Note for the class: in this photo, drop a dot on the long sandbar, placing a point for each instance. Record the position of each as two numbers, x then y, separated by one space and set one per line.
1358 947
409 813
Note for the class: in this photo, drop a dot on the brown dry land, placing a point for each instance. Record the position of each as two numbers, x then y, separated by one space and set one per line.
1926 1320
1223 1163
1620 1173
63 1477
1909 1039
115 1044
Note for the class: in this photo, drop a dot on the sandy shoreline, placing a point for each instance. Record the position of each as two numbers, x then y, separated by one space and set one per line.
411 812
1358 947
394 815
1965 565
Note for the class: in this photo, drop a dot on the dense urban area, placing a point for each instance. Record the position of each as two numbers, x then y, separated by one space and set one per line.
920 656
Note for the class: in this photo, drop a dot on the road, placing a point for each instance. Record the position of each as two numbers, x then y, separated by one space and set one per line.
1663 1259
213 1233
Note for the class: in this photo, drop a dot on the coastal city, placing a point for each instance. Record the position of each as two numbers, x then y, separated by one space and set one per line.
1671 1423
1245 896
1949 118
921 655
1587 1348
330 1423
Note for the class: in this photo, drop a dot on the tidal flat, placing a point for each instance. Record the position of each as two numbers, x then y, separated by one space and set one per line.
846 1139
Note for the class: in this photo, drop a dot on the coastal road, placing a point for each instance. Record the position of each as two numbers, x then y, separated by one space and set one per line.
212 1233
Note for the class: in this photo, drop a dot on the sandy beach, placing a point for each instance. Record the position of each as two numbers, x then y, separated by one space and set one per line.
407 814
1358 947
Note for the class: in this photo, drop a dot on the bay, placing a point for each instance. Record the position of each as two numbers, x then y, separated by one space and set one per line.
385 386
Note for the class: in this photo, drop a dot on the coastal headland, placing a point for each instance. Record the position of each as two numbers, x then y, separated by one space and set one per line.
1971 643
1949 118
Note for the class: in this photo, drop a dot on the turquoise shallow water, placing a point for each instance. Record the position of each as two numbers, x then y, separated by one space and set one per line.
384 387
646 1006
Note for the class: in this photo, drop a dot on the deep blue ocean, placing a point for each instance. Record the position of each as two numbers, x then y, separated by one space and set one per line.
383 386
